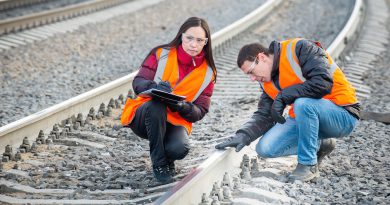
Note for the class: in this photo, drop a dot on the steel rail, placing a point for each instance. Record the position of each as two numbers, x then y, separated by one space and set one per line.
13 133
45 17
348 32
9 4
240 25
190 189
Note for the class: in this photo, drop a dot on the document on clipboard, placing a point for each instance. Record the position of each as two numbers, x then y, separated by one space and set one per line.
163 96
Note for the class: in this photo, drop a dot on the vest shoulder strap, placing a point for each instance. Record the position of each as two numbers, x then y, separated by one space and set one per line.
291 56
206 81
162 57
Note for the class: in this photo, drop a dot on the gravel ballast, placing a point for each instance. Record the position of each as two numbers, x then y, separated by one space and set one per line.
36 8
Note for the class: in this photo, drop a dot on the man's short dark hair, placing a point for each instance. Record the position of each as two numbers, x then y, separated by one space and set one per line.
249 52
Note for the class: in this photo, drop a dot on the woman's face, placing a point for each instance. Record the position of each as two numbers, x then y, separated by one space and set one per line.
193 40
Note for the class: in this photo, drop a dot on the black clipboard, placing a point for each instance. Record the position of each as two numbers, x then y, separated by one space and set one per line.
163 96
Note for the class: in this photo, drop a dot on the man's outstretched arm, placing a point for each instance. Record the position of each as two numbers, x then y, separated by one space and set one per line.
260 122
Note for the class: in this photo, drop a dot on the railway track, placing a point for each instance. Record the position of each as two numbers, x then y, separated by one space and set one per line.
18 31
72 156
10 4
46 17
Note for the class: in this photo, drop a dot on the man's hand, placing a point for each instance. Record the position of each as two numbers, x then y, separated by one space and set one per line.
277 110
239 141
164 86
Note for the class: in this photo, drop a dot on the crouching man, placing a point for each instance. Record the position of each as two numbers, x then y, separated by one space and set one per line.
300 73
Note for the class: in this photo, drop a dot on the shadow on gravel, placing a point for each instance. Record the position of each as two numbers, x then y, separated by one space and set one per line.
379 117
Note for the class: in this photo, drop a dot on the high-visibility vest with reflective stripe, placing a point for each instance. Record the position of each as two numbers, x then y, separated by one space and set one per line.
190 86
290 73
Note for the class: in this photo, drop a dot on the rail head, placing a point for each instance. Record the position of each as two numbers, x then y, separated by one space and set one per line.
243 23
13 133
189 189
348 32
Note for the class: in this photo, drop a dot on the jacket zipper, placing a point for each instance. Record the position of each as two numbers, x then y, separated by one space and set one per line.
193 62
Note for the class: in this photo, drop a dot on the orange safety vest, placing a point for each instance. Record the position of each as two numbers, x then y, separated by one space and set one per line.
290 73
168 70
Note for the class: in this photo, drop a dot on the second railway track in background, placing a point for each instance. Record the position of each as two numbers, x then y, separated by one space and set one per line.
10 4
12 30
84 161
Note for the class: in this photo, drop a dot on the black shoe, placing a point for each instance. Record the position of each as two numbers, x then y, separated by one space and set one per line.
326 147
172 169
305 172
162 174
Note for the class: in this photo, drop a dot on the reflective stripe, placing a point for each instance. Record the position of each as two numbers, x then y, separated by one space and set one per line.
294 65
297 68
162 62
333 65
206 81
333 68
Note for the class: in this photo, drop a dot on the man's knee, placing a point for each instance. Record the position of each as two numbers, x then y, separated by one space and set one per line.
265 151
304 104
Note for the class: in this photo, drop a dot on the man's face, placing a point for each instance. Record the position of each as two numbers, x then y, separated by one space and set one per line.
260 69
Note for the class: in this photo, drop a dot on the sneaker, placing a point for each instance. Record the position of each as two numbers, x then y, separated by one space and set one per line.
305 172
326 147
162 174
172 169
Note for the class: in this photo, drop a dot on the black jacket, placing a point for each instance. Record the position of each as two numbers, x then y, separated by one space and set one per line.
319 82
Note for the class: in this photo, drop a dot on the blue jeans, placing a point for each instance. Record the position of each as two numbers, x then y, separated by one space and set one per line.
315 119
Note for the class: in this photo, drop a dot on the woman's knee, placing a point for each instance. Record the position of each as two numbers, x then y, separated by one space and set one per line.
140 133
177 151
155 109
153 105
176 144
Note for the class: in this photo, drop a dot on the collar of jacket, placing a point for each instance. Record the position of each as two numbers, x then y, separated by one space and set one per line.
274 48
186 59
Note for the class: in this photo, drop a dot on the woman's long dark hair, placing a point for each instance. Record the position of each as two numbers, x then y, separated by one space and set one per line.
189 23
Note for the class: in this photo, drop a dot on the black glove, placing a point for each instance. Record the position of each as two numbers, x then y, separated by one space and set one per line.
277 110
164 86
238 141
179 107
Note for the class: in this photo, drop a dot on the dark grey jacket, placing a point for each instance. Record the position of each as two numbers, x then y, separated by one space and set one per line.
319 82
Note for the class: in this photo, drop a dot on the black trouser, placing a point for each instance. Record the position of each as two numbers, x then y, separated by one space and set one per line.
167 142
